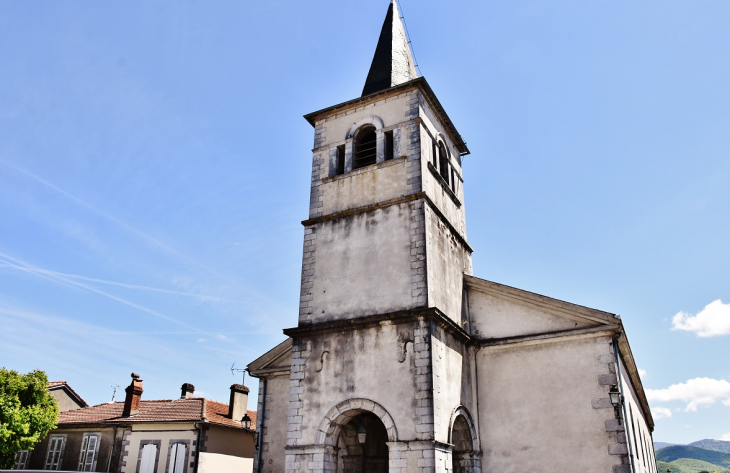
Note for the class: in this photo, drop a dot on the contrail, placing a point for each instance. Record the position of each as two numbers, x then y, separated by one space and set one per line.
146 237
71 283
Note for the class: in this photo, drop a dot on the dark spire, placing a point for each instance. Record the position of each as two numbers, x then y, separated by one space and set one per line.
392 63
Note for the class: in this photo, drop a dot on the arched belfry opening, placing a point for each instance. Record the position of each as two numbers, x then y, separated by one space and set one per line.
361 445
365 146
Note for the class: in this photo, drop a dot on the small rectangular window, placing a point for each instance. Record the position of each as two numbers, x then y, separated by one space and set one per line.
89 449
55 452
340 160
389 145
21 460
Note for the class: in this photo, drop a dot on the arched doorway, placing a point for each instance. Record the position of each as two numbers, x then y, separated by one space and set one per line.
362 445
464 454
338 434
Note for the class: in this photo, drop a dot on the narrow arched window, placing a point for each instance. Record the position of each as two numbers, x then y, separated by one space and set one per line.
443 162
365 147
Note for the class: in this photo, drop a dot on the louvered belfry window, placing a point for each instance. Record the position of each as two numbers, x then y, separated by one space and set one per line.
365 147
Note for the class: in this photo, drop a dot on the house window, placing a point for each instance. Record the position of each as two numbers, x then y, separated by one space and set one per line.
21 460
388 144
54 457
177 458
89 452
365 147
443 162
149 453
340 168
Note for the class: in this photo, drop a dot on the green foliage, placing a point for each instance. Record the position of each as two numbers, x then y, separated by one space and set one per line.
677 452
27 412
688 465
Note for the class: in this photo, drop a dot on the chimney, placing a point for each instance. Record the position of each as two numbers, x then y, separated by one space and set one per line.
134 396
187 391
237 408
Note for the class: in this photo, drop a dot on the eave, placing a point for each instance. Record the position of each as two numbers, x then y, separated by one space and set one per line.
422 84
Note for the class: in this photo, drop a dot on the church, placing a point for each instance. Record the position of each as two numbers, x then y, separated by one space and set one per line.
402 360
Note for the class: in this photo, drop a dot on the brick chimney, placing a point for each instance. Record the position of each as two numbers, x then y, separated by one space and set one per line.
187 391
134 396
238 406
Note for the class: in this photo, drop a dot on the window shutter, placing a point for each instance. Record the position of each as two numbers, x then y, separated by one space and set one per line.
55 453
177 458
91 442
149 455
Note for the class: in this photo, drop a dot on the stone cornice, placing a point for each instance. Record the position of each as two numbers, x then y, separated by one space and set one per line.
544 303
419 83
388 203
400 317
549 337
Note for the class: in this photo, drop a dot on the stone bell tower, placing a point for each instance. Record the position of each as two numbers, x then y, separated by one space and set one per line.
382 319
386 229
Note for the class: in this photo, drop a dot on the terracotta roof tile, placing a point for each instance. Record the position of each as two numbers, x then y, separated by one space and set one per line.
161 411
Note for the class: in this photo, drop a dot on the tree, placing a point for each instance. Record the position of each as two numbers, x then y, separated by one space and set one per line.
27 412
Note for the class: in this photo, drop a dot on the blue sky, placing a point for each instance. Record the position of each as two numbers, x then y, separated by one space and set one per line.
154 171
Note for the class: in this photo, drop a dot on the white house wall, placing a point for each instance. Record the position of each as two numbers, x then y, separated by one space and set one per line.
160 432
218 463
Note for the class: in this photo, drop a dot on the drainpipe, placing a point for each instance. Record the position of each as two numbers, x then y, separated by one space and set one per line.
197 447
111 455
623 404
260 428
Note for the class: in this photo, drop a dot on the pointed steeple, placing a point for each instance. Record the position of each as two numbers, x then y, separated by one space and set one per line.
392 63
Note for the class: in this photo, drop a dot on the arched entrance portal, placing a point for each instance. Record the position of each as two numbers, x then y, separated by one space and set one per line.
362 445
338 433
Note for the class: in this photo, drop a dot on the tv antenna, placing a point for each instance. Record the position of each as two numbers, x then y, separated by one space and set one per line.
242 371
114 393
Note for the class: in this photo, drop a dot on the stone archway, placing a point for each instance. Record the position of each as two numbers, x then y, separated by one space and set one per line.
465 455
343 412
338 431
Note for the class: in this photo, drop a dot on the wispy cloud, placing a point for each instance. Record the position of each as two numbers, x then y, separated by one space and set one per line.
712 321
661 412
726 437
255 300
695 393
642 373
68 282
55 276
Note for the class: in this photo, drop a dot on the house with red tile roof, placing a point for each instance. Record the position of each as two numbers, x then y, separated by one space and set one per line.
66 397
186 435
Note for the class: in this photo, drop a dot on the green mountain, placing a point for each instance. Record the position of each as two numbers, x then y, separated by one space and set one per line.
688 465
683 452
709 444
